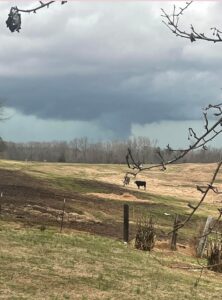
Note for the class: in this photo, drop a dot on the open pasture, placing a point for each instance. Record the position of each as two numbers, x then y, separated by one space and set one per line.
88 259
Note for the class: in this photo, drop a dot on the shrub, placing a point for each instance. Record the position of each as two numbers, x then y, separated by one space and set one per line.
145 235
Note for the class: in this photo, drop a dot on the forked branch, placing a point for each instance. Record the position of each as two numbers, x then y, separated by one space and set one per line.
172 22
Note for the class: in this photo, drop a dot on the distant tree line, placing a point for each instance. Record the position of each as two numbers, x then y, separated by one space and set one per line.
81 150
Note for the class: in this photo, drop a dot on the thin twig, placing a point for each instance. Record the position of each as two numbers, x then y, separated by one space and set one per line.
47 4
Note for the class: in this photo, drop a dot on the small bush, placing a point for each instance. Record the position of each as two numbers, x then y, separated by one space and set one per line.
145 236
214 255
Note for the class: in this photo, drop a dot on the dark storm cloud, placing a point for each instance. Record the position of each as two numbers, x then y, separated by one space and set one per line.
113 105
112 64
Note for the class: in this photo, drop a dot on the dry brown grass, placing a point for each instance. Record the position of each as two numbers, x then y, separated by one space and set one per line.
126 197
178 180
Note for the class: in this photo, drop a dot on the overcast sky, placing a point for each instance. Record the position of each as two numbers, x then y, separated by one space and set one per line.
106 70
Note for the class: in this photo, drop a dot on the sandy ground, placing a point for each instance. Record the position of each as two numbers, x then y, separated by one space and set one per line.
124 197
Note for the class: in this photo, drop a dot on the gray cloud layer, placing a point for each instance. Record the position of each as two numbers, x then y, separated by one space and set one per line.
113 64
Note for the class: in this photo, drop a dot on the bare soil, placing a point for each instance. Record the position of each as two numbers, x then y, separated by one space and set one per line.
33 201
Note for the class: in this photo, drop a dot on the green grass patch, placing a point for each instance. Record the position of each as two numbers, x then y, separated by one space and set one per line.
83 186
46 265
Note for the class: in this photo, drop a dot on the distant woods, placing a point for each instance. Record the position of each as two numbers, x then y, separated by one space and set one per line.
81 150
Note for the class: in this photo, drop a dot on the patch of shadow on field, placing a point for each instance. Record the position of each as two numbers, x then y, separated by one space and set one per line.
84 186
36 202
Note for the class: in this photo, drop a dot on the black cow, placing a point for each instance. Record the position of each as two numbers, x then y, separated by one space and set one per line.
140 183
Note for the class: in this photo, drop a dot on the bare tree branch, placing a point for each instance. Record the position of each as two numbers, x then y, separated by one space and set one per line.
199 142
172 22
14 18
213 226
47 4
194 209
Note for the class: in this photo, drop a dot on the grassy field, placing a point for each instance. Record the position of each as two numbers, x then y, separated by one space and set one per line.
73 265
88 260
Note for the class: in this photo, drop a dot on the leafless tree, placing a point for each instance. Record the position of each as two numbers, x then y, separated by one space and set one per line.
172 21
210 132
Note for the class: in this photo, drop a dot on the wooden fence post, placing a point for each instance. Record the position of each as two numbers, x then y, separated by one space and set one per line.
203 238
1 195
63 212
173 245
126 223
